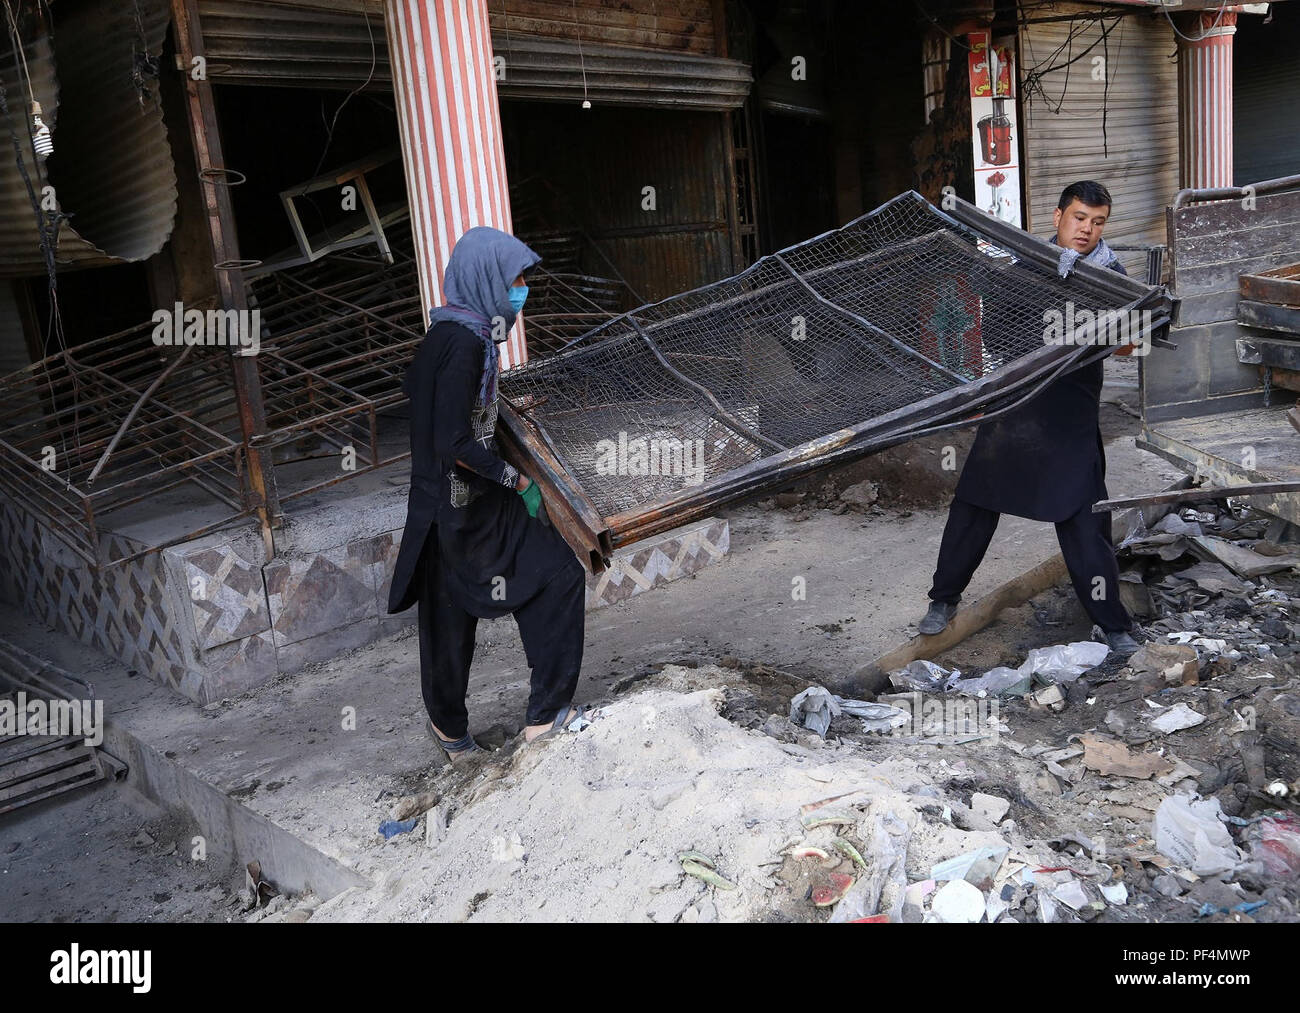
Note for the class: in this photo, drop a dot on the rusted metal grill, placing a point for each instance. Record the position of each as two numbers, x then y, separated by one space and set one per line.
906 320
144 440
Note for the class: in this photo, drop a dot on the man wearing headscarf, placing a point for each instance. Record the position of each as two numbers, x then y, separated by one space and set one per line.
476 544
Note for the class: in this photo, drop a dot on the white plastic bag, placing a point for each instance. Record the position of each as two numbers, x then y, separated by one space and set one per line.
1191 834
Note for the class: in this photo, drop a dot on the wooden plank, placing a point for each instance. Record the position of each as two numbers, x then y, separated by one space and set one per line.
1280 286
1269 316
1261 240
1193 279
873 677
1268 352
1219 217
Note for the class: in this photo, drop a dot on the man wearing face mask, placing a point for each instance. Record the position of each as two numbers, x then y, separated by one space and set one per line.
476 544
1044 460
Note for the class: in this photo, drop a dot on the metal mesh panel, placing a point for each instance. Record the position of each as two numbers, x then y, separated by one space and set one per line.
895 307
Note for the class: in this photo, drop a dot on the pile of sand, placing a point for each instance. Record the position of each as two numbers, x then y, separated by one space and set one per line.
589 825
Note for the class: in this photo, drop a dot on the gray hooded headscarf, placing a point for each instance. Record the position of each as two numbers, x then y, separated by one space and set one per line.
476 284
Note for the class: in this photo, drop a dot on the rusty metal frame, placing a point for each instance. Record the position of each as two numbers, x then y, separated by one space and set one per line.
129 421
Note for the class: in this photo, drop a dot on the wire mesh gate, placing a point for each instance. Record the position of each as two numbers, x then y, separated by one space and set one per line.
906 320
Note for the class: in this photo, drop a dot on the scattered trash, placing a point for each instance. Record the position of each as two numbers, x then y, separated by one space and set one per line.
1049 697
1207 909
999 681
882 889
1107 756
958 902
825 896
1274 841
1191 834
701 867
1176 718
921 677
979 867
1046 666
815 707
1064 662
876 717
990 807
1177 664
850 852
811 821
914 899
257 891
414 805
391 828
1072 894
1240 560
1115 893
809 852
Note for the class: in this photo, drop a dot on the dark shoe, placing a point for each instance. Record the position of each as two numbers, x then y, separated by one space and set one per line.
1121 643
937 619
457 751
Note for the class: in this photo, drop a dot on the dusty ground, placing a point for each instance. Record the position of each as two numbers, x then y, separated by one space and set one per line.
107 854
711 745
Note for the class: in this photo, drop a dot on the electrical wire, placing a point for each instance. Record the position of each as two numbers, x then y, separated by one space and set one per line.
926 14
47 227
329 129
1206 34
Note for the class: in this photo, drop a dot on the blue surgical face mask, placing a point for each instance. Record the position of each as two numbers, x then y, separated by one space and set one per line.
518 293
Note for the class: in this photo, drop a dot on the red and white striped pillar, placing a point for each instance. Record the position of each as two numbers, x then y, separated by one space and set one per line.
450 125
1205 98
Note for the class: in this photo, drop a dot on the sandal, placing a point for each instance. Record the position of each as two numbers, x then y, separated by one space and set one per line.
456 751
569 714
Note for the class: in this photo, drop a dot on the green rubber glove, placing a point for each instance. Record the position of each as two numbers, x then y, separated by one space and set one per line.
532 498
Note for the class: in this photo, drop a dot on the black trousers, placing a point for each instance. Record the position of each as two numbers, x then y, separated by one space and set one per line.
551 625
1085 544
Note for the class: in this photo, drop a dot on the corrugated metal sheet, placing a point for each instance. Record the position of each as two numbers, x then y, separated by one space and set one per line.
1062 145
558 70
673 25
111 167
1266 86
599 174
267 43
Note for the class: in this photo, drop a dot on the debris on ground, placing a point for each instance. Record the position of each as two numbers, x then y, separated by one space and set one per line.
1061 783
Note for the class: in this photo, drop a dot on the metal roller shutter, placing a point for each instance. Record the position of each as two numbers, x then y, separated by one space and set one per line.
1062 117
1266 82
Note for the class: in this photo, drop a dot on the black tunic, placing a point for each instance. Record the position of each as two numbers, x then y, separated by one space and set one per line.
493 536
1044 460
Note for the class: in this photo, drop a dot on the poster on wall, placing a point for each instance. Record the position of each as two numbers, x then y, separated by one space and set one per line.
994 132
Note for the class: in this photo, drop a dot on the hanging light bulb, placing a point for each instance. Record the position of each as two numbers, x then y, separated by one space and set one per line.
41 138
